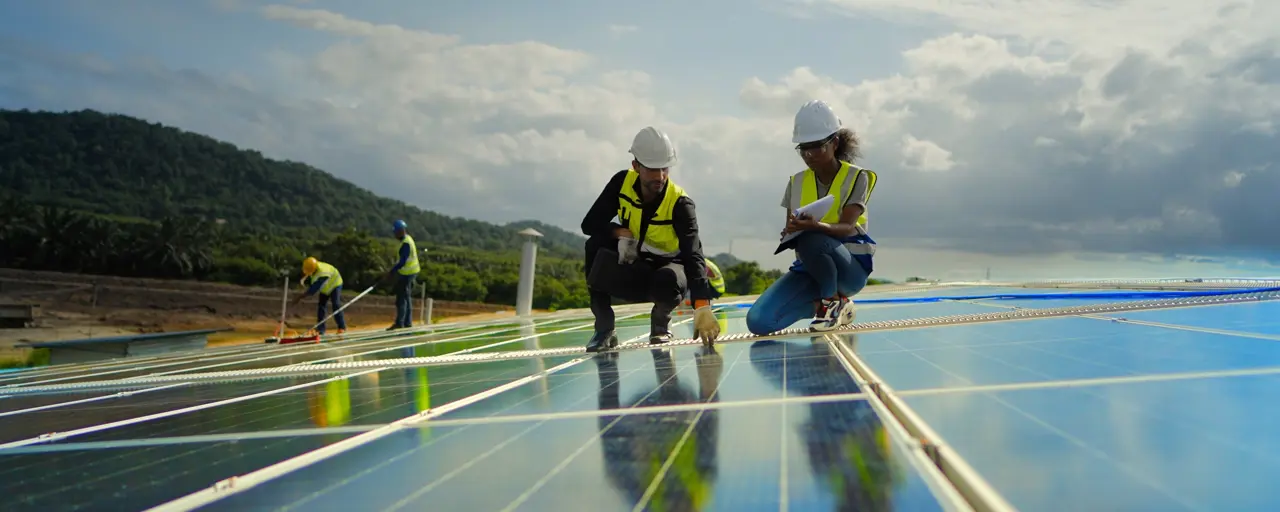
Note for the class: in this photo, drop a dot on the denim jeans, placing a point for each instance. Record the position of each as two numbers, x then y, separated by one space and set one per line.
322 309
829 270
404 300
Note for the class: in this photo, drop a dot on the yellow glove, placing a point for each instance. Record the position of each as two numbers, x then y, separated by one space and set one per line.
705 326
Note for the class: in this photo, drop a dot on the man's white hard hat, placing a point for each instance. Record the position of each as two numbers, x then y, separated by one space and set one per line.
815 121
653 149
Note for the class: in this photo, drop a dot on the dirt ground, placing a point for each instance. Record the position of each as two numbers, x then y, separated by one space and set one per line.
76 306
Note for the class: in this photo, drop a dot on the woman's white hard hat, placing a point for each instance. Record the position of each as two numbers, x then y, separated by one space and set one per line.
815 121
653 149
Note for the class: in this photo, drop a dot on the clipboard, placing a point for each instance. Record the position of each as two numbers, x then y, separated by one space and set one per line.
815 209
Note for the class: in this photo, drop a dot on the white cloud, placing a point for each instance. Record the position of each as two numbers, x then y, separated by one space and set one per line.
1151 25
923 155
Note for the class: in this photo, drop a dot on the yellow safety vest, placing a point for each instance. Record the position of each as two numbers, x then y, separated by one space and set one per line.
326 270
660 238
717 278
411 265
331 405
804 190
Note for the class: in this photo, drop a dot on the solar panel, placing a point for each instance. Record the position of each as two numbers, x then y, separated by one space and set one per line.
993 403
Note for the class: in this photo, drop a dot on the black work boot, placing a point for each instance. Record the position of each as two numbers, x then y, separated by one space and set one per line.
602 341
660 324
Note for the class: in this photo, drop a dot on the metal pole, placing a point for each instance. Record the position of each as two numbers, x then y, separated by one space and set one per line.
428 304
284 306
426 319
528 267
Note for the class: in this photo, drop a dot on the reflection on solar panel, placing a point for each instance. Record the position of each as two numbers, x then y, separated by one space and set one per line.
989 399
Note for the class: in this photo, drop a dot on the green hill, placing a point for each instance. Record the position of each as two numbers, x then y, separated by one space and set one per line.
123 166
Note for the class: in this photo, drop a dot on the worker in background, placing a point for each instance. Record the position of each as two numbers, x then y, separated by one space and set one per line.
404 272
833 252
654 253
323 279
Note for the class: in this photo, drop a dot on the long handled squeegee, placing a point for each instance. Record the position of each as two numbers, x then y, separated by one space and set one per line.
339 310
315 338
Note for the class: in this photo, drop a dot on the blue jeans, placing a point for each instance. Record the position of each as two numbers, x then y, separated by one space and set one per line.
322 310
404 300
829 270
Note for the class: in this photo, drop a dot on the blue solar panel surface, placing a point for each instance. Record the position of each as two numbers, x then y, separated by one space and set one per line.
1126 410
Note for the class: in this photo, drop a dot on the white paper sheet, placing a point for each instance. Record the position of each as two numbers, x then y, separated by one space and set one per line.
815 209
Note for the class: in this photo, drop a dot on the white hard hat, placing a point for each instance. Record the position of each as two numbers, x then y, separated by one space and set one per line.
815 121
653 149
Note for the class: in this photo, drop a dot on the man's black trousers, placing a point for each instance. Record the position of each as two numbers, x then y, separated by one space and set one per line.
662 283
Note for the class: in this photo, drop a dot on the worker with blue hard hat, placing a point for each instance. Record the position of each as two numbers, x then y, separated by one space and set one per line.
833 251
405 272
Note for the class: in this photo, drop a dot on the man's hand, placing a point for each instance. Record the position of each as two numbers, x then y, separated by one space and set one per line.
628 250
710 367
623 233
705 326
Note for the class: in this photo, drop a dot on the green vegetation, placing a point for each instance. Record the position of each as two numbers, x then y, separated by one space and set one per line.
110 194
35 357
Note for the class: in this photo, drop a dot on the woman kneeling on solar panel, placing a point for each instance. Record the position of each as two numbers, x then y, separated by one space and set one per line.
833 252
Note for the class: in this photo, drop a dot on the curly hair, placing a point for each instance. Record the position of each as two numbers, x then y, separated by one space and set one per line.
847 145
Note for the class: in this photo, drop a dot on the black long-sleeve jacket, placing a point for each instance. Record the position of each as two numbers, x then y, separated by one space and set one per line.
599 223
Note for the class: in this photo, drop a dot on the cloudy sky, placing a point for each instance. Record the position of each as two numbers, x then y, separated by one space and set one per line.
1052 138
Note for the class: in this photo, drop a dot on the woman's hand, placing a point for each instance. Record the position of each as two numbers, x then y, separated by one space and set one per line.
801 223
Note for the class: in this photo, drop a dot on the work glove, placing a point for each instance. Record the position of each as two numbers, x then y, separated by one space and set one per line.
710 367
705 326
628 250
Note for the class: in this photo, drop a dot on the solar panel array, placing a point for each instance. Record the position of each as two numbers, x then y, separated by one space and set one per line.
1153 406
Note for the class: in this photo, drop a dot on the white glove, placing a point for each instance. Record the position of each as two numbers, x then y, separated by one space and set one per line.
628 250
705 326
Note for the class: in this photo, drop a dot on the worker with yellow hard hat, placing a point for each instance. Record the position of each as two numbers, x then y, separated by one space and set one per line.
654 254
833 251
323 279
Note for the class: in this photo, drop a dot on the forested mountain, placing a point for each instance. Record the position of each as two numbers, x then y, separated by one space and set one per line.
111 194
124 166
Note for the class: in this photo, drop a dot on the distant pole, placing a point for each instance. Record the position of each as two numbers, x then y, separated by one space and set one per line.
284 305
731 247
528 259
429 304
426 310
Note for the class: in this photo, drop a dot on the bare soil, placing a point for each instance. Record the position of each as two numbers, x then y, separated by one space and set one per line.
76 306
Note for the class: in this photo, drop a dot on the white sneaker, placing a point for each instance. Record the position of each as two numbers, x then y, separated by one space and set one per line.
832 314
848 312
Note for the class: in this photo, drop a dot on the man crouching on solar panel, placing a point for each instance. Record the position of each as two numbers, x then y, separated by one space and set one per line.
654 254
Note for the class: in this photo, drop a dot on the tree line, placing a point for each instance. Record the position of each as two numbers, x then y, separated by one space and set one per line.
185 247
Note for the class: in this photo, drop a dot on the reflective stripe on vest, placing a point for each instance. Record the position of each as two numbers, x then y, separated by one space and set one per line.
660 239
411 265
326 270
